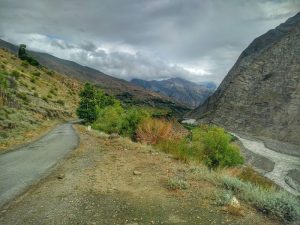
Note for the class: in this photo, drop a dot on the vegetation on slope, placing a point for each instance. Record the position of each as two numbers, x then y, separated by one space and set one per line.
31 97
208 145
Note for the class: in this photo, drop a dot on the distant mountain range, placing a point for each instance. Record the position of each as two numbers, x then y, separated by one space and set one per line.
122 89
261 93
180 90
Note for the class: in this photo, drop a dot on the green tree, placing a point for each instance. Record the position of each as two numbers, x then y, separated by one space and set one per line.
218 151
130 120
87 109
109 118
22 54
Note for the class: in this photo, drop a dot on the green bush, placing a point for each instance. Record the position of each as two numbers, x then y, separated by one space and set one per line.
25 64
53 92
23 96
129 121
218 150
16 74
60 102
33 80
177 183
50 72
209 144
36 73
109 118
45 99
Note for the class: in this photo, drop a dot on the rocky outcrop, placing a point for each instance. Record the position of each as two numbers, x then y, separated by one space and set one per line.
261 93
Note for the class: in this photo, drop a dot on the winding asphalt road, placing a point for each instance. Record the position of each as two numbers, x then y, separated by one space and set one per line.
25 166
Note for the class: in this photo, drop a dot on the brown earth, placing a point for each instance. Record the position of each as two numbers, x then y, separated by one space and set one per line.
116 181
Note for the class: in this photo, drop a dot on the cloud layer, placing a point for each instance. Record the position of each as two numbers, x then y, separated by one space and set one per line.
157 39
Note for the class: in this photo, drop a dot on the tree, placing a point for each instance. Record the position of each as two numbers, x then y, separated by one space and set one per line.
218 151
22 54
87 109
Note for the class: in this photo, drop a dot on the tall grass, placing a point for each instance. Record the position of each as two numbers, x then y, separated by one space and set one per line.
151 131
267 200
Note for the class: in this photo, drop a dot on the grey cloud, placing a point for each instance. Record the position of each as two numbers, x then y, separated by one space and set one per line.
148 39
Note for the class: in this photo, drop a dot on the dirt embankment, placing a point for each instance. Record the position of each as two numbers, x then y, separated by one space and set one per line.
116 181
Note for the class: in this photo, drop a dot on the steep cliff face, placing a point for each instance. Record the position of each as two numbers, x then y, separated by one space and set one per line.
261 93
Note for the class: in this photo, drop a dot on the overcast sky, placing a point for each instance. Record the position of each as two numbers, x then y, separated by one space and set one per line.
198 40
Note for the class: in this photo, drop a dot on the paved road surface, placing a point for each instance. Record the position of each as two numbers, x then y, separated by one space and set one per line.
23 167
283 164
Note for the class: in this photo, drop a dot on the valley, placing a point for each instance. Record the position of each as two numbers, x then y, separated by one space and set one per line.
79 146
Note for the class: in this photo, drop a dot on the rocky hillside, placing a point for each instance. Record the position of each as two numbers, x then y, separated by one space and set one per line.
261 93
31 97
124 90
180 90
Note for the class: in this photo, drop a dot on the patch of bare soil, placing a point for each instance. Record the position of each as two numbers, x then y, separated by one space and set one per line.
115 181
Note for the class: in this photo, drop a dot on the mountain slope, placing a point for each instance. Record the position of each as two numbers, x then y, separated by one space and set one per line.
183 91
261 93
122 89
32 98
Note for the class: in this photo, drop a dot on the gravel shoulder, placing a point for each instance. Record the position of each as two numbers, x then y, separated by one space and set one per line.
115 181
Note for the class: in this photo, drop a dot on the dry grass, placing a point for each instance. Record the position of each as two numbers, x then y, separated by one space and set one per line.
33 100
248 174
151 131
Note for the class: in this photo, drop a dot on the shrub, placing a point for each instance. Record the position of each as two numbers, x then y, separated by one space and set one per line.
15 74
53 92
151 131
218 150
49 72
36 73
109 118
23 96
129 121
60 102
45 99
33 80
272 202
224 197
177 183
25 64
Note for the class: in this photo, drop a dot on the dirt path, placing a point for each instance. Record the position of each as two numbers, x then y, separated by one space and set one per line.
100 187
283 164
27 165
